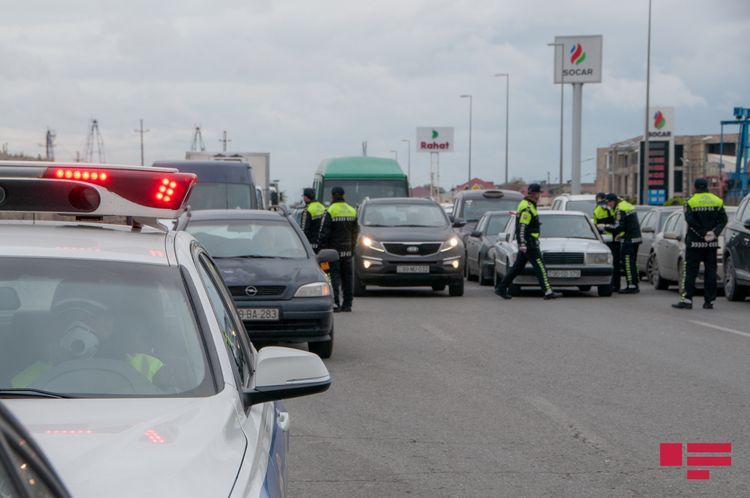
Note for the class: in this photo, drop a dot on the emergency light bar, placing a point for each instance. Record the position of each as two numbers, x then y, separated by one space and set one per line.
93 190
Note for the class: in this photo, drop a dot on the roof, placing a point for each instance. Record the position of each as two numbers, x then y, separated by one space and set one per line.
401 200
235 214
212 171
578 197
361 167
82 241
479 194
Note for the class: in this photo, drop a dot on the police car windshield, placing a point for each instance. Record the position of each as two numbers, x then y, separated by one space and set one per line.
249 239
565 226
473 209
404 215
98 329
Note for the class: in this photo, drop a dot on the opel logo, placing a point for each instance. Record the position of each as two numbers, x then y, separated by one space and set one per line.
412 249
251 291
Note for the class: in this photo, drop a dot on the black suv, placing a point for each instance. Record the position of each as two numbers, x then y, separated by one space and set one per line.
737 253
407 242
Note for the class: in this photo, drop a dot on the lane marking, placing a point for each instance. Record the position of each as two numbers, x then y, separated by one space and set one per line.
438 332
723 329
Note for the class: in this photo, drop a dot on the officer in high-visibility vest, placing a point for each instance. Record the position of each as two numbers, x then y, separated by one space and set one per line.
627 231
706 218
527 236
311 218
339 230
603 216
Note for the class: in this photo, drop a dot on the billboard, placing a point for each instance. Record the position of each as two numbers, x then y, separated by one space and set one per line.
435 139
581 58
660 122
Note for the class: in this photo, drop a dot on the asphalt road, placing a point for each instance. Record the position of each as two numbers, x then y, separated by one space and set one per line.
475 396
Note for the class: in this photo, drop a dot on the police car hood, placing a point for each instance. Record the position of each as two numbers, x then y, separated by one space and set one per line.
408 234
138 447
571 245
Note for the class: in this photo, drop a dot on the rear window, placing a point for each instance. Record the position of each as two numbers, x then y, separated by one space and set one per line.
99 329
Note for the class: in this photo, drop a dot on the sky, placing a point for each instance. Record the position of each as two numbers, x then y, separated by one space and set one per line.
308 80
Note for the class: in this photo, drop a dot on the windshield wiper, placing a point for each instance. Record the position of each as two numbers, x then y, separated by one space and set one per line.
27 392
418 226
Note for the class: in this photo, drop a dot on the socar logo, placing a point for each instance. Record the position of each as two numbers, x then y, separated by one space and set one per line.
659 120
577 55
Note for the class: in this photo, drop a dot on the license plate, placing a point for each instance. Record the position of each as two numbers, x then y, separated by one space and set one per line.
259 314
564 273
412 269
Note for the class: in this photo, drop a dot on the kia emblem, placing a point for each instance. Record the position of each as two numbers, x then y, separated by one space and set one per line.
412 249
251 291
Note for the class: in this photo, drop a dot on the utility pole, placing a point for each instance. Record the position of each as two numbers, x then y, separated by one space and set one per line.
507 108
141 131
466 96
224 141
408 171
562 101
94 141
198 142
646 150
49 145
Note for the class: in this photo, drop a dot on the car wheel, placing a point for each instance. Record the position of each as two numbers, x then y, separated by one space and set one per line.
584 288
456 289
732 290
360 289
654 276
324 349
438 287
604 290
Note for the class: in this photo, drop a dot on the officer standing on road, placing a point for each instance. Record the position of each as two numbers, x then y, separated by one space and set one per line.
339 230
706 218
527 236
604 216
311 218
627 231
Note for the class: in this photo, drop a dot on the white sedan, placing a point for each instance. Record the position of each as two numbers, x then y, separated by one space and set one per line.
120 347
572 250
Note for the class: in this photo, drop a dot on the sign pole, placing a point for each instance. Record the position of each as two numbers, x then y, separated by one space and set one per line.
437 159
575 186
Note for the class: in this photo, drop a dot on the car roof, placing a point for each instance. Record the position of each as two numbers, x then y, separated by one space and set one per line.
480 194
401 200
577 197
235 214
212 171
90 241
493 213
564 213
360 167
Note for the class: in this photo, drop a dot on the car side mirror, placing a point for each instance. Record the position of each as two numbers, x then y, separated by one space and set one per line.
504 236
477 234
327 256
458 223
283 373
747 223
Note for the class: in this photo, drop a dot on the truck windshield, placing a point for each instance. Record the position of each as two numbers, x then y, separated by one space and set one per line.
208 195
359 190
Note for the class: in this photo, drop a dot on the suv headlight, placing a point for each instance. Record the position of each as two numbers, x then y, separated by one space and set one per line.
316 289
599 258
372 244
449 244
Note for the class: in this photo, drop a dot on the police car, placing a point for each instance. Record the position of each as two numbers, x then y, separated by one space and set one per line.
120 348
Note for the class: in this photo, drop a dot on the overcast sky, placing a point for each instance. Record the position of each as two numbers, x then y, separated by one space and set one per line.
305 80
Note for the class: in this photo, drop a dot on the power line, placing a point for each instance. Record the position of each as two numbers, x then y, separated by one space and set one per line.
197 142
224 141
141 131
94 141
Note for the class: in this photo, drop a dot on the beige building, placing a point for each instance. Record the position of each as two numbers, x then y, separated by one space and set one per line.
694 156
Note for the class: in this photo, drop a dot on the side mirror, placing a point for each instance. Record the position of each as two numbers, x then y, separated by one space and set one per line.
477 234
504 236
327 256
747 223
458 223
283 373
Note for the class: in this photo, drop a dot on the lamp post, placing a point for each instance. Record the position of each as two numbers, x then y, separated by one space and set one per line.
507 108
562 100
465 96
646 150
408 168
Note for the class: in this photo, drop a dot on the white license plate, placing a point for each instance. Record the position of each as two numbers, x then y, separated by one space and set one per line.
412 269
564 273
259 314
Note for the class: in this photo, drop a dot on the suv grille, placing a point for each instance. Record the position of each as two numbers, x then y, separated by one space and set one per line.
563 258
262 291
401 249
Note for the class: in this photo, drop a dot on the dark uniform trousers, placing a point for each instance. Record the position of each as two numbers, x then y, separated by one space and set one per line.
342 278
629 253
616 264
693 258
533 255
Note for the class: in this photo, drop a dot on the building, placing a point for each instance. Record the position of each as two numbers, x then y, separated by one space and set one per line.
694 156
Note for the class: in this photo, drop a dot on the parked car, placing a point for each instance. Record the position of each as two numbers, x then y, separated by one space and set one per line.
572 250
737 253
275 279
651 225
668 254
583 203
407 242
480 265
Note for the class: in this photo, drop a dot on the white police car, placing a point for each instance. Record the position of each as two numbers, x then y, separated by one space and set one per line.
120 348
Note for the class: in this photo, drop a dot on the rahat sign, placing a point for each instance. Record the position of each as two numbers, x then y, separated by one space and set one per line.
435 139
581 59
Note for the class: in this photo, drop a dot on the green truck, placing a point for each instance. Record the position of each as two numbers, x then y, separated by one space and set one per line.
361 177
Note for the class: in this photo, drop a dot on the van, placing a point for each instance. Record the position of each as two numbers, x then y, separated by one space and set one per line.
361 178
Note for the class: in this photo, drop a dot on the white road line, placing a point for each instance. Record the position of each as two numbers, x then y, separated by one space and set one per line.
717 327
438 332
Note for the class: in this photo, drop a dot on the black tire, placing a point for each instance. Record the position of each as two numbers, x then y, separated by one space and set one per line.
655 277
604 290
360 289
732 290
456 289
438 287
324 349
584 288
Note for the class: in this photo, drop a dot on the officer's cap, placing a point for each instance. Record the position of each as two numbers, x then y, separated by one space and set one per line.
338 191
701 184
611 197
309 193
534 188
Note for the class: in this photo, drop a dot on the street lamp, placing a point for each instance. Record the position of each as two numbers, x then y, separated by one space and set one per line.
562 100
408 170
646 146
470 111
507 107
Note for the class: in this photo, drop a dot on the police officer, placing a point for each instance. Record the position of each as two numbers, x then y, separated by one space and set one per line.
527 236
312 217
706 218
603 216
627 232
339 230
